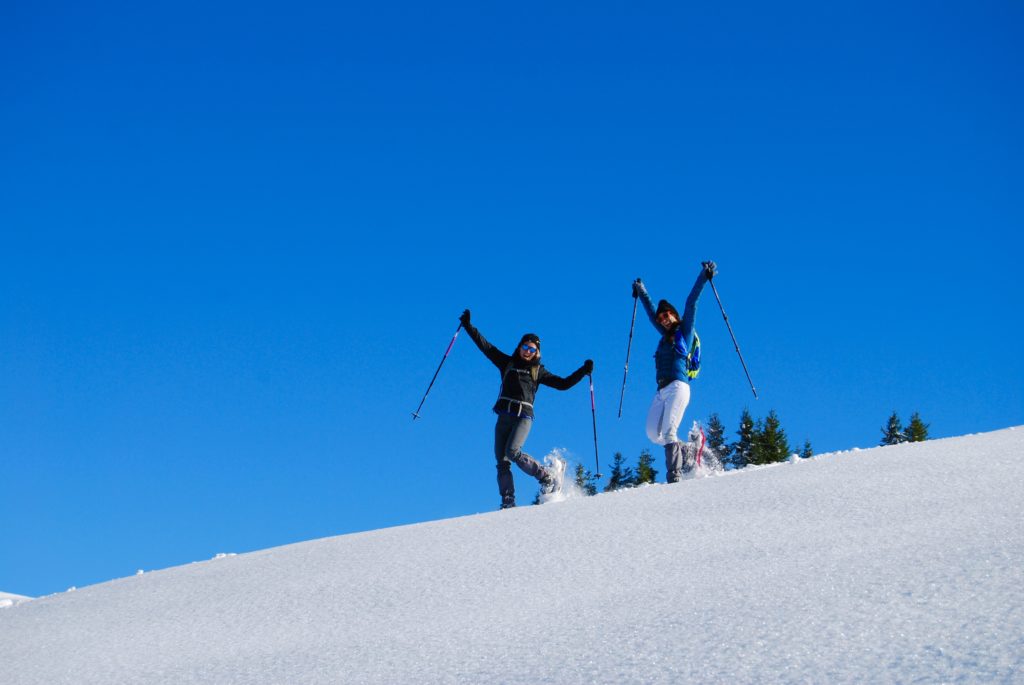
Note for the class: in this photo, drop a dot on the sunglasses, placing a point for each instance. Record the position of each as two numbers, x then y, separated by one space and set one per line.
529 348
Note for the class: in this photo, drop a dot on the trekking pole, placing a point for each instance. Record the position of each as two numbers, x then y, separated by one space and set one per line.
715 291
416 414
593 414
629 345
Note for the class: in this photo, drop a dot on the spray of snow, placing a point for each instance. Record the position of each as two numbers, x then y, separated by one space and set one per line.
569 489
707 461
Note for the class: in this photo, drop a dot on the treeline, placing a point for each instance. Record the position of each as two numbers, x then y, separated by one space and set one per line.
760 441
893 432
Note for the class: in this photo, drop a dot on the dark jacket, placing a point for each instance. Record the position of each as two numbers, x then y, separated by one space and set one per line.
520 379
670 357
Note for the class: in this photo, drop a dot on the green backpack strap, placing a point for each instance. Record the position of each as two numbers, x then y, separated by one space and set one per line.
693 357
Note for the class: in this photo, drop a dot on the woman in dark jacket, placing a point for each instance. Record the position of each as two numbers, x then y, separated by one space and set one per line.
521 375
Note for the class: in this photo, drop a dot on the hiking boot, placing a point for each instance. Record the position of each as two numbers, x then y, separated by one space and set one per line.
553 477
673 462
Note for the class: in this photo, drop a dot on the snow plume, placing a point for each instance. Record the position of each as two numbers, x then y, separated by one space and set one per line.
569 488
709 462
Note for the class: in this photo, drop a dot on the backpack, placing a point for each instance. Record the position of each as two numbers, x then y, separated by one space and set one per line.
693 357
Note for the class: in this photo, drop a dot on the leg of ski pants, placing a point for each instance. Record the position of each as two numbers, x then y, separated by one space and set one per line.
506 486
666 412
509 435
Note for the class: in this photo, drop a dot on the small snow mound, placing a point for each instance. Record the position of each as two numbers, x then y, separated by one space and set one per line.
223 555
7 600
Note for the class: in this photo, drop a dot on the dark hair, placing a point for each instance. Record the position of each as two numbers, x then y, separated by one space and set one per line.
666 306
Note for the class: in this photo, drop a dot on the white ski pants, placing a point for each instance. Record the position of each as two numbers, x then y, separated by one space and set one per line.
666 412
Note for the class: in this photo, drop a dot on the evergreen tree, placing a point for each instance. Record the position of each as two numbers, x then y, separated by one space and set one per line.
769 442
716 439
892 432
645 472
917 430
621 476
585 481
742 449
754 455
806 452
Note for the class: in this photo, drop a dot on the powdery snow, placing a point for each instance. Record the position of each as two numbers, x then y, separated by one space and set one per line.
8 600
896 564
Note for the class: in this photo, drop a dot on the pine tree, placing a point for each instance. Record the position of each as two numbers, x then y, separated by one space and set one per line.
769 443
806 452
716 439
621 476
585 481
645 472
892 433
742 449
754 457
917 430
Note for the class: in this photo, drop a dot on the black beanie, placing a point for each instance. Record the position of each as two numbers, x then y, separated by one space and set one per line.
531 337
666 306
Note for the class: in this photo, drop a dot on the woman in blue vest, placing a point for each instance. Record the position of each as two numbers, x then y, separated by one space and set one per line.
666 412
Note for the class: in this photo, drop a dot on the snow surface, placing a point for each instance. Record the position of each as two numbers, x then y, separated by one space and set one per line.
8 600
897 564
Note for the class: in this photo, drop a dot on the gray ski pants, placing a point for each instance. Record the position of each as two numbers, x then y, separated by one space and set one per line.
509 436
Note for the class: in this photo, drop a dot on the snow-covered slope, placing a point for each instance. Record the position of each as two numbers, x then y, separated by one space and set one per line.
897 564
9 600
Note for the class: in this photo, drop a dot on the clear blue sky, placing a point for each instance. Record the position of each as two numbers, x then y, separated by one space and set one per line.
236 240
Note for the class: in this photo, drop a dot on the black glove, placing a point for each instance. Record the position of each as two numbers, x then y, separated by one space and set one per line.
464 319
638 287
588 367
710 269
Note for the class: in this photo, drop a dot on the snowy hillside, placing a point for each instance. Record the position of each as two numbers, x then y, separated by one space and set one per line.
896 564
9 600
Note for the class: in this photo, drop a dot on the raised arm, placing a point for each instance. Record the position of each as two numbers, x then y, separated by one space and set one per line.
640 291
558 383
707 271
497 357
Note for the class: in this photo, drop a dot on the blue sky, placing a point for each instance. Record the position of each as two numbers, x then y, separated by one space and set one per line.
236 241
